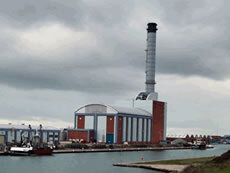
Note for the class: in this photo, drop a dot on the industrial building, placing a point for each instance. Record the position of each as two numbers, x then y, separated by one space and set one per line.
145 122
10 133
111 124
117 125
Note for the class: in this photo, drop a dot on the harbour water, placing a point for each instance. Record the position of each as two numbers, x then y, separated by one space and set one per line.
96 162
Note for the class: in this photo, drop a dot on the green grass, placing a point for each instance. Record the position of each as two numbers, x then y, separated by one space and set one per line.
199 165
181 161
225 170
209 167
219 164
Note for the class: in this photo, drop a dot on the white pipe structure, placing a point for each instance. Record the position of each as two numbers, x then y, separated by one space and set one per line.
149 93
150 58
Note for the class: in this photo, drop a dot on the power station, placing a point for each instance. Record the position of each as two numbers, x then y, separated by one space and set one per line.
144 123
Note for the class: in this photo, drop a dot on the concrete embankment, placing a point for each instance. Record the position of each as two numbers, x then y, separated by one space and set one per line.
60 151
158 167
118 149
177 165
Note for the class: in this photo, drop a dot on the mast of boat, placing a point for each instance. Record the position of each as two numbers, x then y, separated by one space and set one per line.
40 135
29 135
40 131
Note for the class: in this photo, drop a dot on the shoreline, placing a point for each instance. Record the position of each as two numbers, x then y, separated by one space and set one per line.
118 150
158 167
177 165
66 151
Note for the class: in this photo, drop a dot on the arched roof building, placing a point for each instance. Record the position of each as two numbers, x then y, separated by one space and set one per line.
112 124
108 109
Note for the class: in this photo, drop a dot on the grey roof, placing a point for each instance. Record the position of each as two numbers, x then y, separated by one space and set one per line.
108 109
18 126
131 111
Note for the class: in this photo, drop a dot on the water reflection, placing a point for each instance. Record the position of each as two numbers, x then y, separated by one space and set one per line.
96 162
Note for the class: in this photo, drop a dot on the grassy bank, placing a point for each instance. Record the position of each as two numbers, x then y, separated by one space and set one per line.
209 168
182 161
219 164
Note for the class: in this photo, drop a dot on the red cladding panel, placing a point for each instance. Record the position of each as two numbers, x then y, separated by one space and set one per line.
91 136
81 122
73 134
158 122
110 125
119 133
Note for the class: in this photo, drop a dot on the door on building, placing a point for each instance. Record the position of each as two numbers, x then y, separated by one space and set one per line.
2 139
109 138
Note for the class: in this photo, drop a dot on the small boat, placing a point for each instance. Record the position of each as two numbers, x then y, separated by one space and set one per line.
34 147
42 151
20 151
209 146
201 146
28 151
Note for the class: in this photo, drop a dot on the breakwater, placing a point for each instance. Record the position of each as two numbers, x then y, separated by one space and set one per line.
118 149
158 167
83 150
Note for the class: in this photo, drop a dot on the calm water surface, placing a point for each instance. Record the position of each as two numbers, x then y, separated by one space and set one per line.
96 162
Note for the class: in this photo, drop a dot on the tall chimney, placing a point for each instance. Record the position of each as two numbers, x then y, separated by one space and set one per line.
150 58
149 98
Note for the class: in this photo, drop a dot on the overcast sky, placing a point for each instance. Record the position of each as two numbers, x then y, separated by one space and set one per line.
56 56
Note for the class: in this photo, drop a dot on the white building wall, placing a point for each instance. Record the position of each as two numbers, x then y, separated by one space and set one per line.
101 129
140 130
134 129
149 130
115 129
147 105
89 120
124 130
18 136
2 132
25 134
50 136
145 124
94 109
32 134
56 136
129 129
44 136
10 135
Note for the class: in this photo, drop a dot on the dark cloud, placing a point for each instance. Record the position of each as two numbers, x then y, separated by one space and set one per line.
78 14
197 42
106 64
193 39
67 77
26 13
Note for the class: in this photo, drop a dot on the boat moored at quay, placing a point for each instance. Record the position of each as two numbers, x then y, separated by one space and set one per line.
20 151
28 151
31 146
